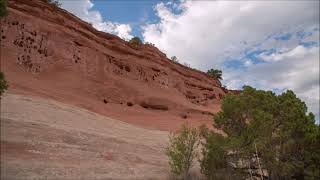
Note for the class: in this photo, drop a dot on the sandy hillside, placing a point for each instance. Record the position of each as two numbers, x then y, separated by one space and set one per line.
45 139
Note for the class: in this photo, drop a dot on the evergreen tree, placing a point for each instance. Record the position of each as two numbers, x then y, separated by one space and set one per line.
174 59
275 130
215 73
55 2
135 41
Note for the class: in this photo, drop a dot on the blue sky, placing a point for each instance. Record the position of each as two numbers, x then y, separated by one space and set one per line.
134 13
271 45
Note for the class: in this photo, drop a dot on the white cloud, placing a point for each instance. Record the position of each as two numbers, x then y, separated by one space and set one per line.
83 9
122 30
297 69
299 51
208 33
248 63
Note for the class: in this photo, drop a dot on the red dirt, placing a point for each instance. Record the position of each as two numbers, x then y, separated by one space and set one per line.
48 52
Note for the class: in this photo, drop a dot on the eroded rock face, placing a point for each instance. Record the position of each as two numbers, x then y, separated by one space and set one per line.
49 52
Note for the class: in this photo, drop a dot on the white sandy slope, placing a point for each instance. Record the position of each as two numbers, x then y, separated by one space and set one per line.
45 139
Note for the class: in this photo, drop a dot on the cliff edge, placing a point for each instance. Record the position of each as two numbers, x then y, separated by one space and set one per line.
48 52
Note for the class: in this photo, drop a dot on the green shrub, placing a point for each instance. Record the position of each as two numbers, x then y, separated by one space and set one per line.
3 8
274 129
174 59
149 43
215 73
3 84
187 65
182 150
214 157
135 41
54 2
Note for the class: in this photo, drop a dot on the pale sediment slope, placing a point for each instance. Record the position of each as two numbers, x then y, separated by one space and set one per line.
45 139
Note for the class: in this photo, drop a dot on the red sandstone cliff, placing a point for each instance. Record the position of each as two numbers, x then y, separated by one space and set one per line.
48 52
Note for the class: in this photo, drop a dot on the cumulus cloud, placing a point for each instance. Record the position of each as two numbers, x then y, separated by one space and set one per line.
204 33
270 45
296 69
122 30
83 9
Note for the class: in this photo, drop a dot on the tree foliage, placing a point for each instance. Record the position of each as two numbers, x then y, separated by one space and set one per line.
135 41
3 84
174 59
275 128
182 150
214 163
3 8
54 2
215 73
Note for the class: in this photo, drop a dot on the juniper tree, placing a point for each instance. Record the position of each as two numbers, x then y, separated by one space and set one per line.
135 41
215 73
276 128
